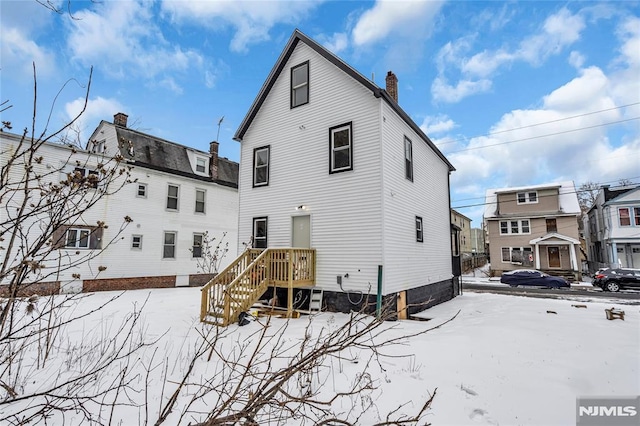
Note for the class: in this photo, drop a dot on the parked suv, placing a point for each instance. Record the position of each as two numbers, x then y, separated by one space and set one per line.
615 279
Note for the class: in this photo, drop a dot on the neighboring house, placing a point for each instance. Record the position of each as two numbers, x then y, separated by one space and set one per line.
330 161
612 229
534 227
176 195
464 223
477 241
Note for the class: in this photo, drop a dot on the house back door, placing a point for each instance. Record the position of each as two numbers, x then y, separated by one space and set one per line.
301 231
554 256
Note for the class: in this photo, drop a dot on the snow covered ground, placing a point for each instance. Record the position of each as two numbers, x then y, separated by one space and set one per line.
503 360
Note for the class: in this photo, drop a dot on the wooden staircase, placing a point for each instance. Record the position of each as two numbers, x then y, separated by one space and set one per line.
241 284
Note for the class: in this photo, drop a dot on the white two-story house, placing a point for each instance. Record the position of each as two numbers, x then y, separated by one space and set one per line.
178 198
330 161
612 228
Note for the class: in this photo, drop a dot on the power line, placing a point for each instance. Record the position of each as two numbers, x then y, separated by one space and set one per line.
541 196
539 124
544 136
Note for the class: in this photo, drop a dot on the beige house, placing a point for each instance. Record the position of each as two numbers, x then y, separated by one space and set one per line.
464 223
534 227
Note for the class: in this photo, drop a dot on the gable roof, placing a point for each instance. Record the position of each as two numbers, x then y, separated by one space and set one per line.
160 154
622 195
567 197
378 92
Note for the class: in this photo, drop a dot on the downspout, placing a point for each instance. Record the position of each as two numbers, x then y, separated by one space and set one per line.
382 204
379 293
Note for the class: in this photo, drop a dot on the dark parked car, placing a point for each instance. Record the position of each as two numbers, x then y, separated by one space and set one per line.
617 278
533 278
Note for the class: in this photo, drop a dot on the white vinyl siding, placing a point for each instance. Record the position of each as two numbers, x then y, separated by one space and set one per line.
340 204
407 264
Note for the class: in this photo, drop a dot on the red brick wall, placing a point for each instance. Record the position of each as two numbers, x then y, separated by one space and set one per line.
198 280
135 283
25 290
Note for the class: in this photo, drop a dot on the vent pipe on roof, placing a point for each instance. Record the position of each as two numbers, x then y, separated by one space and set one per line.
392 85
120 119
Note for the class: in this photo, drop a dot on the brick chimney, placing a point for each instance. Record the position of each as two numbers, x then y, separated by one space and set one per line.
213 163
392 85
120 119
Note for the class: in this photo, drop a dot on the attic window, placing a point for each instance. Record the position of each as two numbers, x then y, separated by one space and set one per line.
201 165
529 197
300 84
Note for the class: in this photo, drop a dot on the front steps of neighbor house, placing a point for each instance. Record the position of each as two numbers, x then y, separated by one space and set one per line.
241 284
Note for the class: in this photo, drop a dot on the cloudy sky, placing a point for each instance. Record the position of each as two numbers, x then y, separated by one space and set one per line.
513 93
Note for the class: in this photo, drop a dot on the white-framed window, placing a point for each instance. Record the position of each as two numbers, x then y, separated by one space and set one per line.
515 227
300 84
261 158
624 216
408 158
341 149
169 245
260 232
82 176
173 192
77 238
141 190
136 242
419 230
201 165
527 197
98 147
636 216
201 196
196 250
517 255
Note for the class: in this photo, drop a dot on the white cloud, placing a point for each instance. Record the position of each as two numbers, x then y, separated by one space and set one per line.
437 124
557 32
336 43
576 59
97 109
251 20
123 40
18 54
441 90
388 17
562 140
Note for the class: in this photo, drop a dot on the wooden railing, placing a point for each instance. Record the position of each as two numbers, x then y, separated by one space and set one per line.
240 285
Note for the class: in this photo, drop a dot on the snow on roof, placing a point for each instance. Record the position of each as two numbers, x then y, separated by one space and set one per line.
567 194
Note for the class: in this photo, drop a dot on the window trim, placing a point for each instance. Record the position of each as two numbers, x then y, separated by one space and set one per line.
267 165
133 236
636 216
266 231
204 165
193 245
408 162
94 237
523 250
332 131
509 228
628 209
140 184
177 198
419 229
174 245
293 89
204 201
527 197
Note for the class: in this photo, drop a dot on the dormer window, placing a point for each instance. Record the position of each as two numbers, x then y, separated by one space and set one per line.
201 165
300 84
529 197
